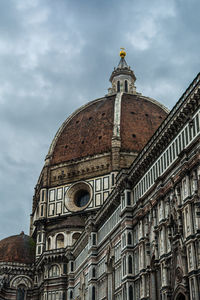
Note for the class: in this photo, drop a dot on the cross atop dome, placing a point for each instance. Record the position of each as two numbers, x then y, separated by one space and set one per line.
122 63
122 78
122 53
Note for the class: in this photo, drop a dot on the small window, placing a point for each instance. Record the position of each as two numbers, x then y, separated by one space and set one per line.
126 86
123 240
130 291
21 292
94 239
93 273
113 179
128 198
52 195
39 237
72 266
183 139
170 154
193 289
39 249
49 243
180 143
190 256
71 295
173 151
124 266
130 265
54 271
118 86
65 268
75 237
93 293
64 296
197 122
42 210
43 195
129 238
60 241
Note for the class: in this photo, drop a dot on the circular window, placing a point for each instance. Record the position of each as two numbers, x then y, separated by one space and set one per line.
78 196
82 198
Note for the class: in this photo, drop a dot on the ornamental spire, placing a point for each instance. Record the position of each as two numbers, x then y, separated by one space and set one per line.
122 78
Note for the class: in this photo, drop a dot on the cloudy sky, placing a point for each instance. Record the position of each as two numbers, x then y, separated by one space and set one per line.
58 55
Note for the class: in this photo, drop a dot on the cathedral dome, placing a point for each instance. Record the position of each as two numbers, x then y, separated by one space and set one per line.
91 129
17 248
100 138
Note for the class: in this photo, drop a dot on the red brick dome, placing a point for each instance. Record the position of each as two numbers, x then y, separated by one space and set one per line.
17 248
89 130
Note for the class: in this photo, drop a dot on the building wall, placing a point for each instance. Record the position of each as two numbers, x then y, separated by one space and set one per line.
149 247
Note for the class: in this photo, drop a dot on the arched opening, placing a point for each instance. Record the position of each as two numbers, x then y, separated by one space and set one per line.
54 271
124 266
126 86
180 297
21 292
130 265
93 273
72 266
130 292
75 237
129 238
49 243
93 293
118 86
123 240
94 239
39 237
42 211
60 241
71 295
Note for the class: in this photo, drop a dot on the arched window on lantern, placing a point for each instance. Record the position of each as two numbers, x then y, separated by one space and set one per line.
71 295
126 86
60 241
118 86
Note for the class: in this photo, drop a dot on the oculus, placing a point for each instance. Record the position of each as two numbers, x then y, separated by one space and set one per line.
78 196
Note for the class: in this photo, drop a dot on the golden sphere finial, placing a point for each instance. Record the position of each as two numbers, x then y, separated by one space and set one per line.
122 53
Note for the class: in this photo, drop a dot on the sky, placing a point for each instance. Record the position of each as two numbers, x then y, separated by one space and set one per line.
57 55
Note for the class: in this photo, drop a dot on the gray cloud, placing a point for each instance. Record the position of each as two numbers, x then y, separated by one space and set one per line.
58 55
